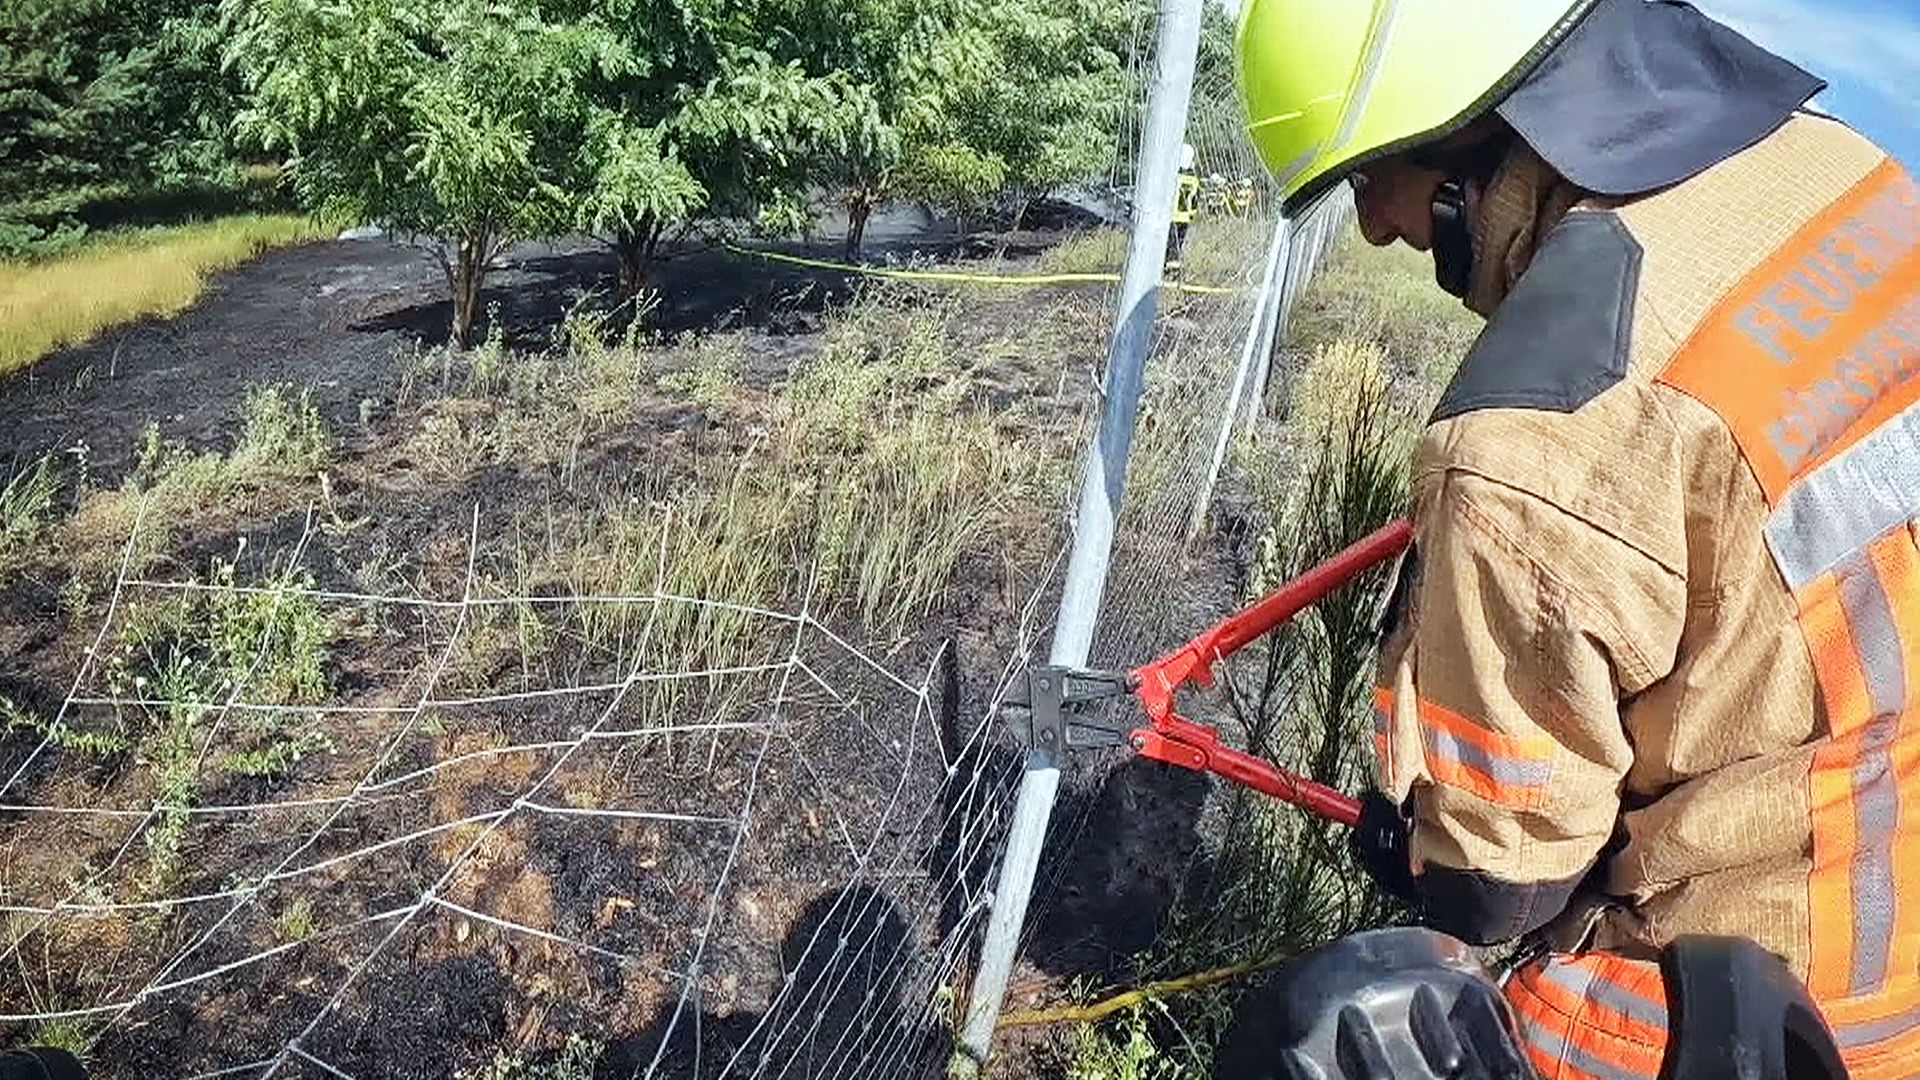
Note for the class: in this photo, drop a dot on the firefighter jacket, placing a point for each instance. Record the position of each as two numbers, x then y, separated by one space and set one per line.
1653 666
1187 199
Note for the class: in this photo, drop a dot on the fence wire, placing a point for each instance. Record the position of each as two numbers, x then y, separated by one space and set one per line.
627 855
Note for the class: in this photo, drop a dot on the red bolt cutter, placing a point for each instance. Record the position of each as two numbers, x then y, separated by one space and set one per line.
1054 692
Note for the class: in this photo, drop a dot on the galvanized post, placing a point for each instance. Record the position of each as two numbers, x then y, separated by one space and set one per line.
1100 493
1266 307
1256 401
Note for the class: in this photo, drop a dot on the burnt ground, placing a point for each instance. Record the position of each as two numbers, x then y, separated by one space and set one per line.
448 989
331 317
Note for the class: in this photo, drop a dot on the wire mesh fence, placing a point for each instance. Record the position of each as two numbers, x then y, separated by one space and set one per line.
765 861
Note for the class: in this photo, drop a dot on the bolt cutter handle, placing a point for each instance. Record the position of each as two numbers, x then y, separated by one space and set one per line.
1172 738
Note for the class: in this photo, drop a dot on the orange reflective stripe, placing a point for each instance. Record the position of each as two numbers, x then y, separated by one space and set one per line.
1505 770
1595 1016
1821 343
1823 621
1874 1046
1896 559
1383 729
1861 627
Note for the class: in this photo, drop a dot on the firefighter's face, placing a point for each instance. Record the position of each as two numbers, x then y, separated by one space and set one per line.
1395 202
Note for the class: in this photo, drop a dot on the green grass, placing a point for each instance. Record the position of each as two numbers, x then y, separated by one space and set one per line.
27 504
283 438
575 1060
69 299
295 922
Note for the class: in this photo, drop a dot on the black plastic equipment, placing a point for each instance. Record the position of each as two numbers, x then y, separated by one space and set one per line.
40 1063
1737 1013
1403 1004
1412 1004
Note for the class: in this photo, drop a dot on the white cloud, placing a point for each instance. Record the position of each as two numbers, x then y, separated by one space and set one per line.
1870 51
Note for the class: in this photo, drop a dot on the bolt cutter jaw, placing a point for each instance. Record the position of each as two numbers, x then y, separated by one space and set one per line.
1063 701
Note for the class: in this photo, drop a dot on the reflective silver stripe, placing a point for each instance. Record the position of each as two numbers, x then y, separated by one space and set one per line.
1504 770
1845 504
1854 1036
1584 983
1381 32
1298 165
1560 1048
1876 793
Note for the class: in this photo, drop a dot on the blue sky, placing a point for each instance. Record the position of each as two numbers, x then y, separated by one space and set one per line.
1868 50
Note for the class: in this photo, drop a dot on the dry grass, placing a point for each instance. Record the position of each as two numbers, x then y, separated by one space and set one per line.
1094 251
1386 297
857 487
1220 251
68 300
27 503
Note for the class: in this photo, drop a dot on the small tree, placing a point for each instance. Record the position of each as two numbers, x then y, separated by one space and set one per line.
1030 95
444 120
974 98
723 115
635 190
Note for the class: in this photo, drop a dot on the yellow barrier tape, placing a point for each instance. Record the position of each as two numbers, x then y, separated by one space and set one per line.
962 276
1086 1014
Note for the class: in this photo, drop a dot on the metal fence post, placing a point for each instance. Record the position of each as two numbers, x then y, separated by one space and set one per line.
1100 493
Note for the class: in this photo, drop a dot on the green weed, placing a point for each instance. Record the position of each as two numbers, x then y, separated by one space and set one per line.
1129 1047
280 435
192 653
283 438
89 744
296 922
575 1061
26 512
72 1034
276 759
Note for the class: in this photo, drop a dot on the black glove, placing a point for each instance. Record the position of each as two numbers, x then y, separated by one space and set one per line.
1379 843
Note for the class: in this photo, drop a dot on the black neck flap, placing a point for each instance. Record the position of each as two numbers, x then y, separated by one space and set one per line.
1642 95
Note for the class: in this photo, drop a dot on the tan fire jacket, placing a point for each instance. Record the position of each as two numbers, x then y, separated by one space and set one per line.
1660 633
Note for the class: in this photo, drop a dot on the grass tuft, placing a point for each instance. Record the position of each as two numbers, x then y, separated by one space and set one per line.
70 299
26 512
172 488
576 1060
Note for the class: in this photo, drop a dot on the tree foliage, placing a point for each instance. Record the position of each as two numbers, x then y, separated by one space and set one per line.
448 120
975 98
102 98
469 124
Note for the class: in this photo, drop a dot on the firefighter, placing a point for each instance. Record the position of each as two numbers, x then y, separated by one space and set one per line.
1186 202
1652 668
1243 197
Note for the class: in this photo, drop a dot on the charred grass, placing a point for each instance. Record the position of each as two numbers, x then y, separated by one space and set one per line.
616 509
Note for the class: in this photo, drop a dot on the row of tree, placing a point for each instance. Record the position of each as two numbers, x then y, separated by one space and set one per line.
475 123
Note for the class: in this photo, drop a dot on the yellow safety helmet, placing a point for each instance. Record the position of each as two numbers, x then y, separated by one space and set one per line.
1330 85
